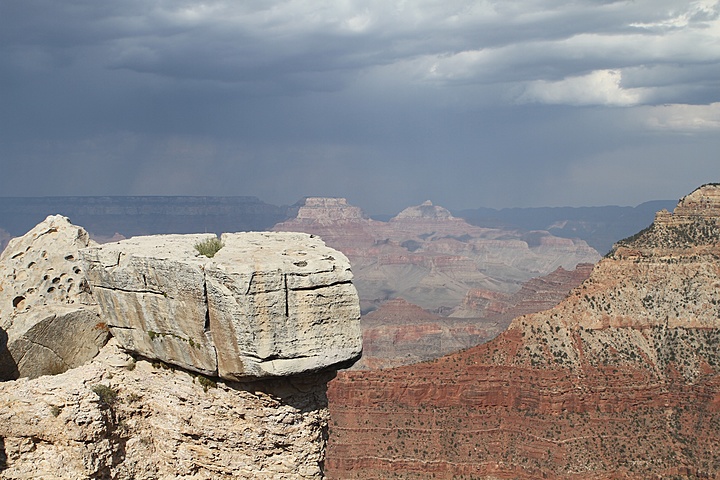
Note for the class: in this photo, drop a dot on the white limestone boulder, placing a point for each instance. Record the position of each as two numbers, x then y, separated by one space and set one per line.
48 319
267 304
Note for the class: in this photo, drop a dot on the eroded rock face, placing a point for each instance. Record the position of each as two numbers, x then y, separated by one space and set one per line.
48 319
267 304
620 380
126 420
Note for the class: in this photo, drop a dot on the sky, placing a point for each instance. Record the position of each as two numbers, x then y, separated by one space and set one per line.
387 103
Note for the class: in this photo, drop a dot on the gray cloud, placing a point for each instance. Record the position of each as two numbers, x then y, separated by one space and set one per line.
388 103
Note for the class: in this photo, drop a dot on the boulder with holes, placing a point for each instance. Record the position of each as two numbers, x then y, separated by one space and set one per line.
49 321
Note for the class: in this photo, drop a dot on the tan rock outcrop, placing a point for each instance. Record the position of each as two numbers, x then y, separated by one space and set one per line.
267 304
48 319
126 420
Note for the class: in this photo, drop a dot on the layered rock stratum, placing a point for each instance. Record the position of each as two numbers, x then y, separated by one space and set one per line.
400 333
535 295
105 216
266 304
429 258
621 380
217 367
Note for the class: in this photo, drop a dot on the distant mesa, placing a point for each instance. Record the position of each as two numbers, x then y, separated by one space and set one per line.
430 258
327 211
103 216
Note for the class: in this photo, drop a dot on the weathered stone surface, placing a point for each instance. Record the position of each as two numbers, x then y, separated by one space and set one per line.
48 319
620 380
162 424
267 304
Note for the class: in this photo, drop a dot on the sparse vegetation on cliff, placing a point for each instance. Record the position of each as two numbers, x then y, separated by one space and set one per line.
209 247
617 381
107 394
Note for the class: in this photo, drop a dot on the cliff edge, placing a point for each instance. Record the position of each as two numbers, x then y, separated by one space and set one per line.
216 367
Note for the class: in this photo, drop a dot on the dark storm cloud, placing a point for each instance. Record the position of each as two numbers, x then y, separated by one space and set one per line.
388 103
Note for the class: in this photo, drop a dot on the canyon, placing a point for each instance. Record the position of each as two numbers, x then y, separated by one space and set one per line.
430 258
400 333
602 386
620 380
431 284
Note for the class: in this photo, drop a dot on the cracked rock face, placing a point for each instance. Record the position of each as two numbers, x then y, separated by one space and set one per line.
267 304
48 320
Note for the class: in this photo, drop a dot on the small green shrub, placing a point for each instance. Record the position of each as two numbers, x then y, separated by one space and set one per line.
108 395
209 247
204 382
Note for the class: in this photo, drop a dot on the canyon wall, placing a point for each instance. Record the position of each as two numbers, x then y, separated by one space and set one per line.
620 380
399 333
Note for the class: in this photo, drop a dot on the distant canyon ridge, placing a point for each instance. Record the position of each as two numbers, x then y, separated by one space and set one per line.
104 216
430 281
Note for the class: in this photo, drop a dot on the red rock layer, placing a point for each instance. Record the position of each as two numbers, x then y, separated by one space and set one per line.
461 418
621 380
399 333
535 295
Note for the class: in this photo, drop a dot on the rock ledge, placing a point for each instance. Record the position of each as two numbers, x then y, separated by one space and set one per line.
267 304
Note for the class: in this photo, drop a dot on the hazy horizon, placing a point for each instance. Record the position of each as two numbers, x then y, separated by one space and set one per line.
370 213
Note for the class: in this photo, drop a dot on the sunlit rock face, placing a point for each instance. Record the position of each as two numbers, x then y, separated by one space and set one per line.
619 380
266 304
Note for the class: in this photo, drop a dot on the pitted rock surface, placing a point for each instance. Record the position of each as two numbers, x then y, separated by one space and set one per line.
48 318
267 304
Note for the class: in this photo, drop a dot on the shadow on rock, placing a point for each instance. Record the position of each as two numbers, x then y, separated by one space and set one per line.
8 367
